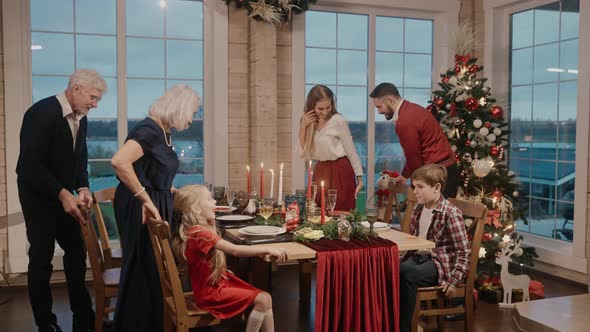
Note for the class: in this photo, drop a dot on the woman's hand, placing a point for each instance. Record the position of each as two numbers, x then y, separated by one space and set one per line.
359 187
279 254
308 118
149 211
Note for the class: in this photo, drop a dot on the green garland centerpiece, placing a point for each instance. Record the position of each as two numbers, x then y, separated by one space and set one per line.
272 11
309 231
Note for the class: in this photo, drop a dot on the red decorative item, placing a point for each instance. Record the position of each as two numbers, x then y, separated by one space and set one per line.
494 150
472 104
292 217
445 80
537 288
457 69
439 102
497 112
488 125
432 109
462 58
486 236
467 142
453 112
497 194
473 69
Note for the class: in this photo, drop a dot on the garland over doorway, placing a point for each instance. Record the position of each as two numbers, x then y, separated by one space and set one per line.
274 12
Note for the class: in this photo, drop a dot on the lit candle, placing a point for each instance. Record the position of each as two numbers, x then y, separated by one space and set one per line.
249 179
323 205
309 180
272 183
261 180
280 198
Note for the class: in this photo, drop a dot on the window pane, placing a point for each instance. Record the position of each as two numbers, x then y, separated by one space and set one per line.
570 18
568 59
418 36
564 226
145 57
352 67
522 29
418 96
46 86
389 67
144 18
418 70
101 175
97 52
102 139
320 66
522 66
542 217
184 19
189 172
568 100
545 102
389 34
547 24
352 103
107 107
352 31
546 60
522 101
141 94
320 29
96 16
184 59
44 13
56 55
189 143
543 132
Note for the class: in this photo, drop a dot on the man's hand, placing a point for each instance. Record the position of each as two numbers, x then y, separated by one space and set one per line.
70 204
85 196
449 290
400 180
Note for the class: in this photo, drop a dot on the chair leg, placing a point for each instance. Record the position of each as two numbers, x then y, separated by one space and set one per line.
440 319
182 328
416 315
100 311
168 324
469 312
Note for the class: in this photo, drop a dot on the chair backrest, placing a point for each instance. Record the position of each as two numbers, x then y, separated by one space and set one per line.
392 202
169 276
94 254
103 196
478 213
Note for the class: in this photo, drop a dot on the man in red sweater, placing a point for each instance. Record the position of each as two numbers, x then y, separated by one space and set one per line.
420 136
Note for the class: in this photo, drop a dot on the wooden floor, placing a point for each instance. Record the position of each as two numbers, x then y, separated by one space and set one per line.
16 316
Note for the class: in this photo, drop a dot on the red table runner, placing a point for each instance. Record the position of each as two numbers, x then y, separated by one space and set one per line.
357 285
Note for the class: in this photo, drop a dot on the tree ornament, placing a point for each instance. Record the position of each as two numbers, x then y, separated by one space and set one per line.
494 150
467 142
485 89
497 112
477 123
459 99
472 144
511 173
439 102
454 148
432 109
471 104
488 125
457 69
448 107
473 69
483 131
481 167
467 157
497 194
482 101
502 244
515 193
445 79
457 121
486 236
491 138
497 131
501 153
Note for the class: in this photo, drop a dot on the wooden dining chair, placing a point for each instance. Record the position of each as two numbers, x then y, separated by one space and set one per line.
477 213
180 309
112 257
106 280
393 205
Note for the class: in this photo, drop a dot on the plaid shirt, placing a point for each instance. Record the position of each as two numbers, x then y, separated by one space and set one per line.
452 248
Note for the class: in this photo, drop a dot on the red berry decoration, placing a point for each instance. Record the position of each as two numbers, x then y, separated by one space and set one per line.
467 142
472 104
473 69
432 109
457 69
445 79
497 194
497 112
488 125
494 150
439 102
486 236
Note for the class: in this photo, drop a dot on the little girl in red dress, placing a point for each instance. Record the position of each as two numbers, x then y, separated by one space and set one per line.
216 289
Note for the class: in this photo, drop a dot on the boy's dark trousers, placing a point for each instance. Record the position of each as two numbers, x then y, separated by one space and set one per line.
418 270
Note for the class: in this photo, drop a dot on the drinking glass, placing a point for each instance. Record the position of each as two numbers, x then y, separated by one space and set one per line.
372 216
243 198
218 193
230 196
332 194
266 208
314 190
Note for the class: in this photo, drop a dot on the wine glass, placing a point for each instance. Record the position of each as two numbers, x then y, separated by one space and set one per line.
266 209
218 193
230 196
243 198
332 194
372 216
314 191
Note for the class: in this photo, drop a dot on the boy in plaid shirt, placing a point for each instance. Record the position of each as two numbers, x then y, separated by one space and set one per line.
437 220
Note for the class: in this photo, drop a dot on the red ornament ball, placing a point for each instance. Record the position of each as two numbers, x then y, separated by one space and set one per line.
488 125
467 142
445 79
494 150
432 109
486 236
473 69
497 194
472 104
457 69
497 112
439 102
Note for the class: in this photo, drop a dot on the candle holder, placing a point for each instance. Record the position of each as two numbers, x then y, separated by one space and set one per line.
310 208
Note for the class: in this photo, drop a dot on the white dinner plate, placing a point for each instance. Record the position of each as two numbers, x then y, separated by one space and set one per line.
262 230
378 226
235 217
224 209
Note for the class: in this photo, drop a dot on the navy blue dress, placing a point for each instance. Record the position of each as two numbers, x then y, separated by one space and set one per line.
139 302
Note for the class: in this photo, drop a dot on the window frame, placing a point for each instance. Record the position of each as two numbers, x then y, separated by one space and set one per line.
444 16
16 32
496 68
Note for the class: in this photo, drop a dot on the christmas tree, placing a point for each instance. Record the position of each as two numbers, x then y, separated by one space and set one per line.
478 132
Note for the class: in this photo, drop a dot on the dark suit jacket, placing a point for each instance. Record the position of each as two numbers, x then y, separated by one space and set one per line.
47 162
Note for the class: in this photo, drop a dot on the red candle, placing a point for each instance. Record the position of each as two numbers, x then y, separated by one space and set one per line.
249 179
261 180
323 205
309 180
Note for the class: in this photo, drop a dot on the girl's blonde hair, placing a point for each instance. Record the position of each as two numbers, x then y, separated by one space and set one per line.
175 106
187 204
316 94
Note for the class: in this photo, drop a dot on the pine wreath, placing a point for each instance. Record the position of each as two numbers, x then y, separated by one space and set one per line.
272 11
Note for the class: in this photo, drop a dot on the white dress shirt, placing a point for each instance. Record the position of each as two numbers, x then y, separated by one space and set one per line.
68 113
335 141
396 111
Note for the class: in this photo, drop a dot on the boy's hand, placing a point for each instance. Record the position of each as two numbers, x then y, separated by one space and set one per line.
449 290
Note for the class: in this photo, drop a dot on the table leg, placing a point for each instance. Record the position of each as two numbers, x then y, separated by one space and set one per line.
260 274
305 269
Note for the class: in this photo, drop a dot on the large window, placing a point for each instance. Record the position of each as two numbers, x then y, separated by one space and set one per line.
163 47
543 99
338 53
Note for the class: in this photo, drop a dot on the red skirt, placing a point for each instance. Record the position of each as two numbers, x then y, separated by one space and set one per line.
337 174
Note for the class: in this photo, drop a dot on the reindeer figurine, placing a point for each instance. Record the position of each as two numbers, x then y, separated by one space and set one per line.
511 281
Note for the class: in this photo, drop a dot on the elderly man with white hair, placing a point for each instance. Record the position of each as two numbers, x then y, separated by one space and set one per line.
52 165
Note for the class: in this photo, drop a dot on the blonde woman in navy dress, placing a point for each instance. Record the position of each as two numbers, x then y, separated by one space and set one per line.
146 166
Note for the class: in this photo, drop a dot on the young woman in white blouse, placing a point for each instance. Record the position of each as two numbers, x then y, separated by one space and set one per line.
325 137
